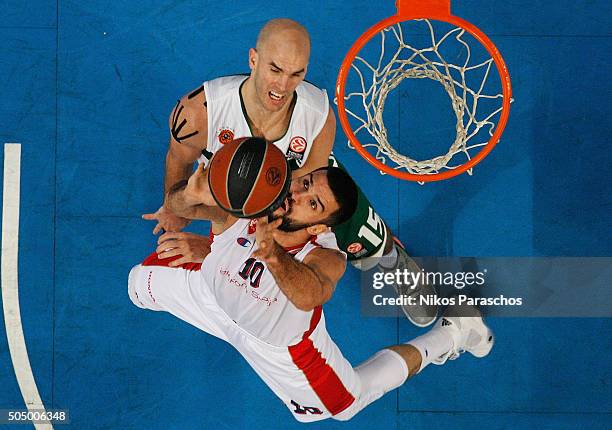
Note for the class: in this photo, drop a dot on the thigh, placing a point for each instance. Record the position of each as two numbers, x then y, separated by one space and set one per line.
312 378
178 291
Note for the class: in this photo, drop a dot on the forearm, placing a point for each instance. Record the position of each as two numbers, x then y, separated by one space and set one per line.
184 204
177 170
301 284
203 212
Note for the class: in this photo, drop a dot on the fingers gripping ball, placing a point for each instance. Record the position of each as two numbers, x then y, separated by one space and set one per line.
249 177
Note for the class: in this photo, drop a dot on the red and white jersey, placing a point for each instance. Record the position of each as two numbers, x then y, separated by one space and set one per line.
246 290
227 121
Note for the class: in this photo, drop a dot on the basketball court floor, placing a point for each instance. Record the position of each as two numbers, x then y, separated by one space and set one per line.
86 90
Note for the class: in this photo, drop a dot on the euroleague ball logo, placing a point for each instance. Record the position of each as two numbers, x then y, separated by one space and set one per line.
354 247
298 144
226 135
273 176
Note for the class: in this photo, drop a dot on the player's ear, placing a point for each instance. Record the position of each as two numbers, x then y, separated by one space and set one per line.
313 230
252 58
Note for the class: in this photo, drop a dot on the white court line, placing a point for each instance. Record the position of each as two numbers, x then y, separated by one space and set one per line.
10 286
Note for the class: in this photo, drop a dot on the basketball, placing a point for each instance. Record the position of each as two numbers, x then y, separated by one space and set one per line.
249 177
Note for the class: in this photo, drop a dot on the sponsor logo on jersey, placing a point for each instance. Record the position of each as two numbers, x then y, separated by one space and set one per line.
445 322
243 241
297 148
226 135
252 226
298 144
354 247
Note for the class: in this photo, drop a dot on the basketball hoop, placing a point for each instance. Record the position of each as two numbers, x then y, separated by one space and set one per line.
480 102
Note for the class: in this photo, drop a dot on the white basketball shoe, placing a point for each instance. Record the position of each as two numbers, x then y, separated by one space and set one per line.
468 331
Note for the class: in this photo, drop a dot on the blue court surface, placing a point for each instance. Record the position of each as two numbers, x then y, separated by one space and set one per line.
86 88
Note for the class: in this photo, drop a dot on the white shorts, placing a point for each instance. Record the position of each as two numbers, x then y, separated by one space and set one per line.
311 377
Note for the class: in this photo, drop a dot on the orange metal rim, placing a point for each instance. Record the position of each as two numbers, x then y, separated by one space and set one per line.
478 35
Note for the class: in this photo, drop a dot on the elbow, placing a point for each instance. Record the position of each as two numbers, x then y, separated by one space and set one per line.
309 302
304 307
305 303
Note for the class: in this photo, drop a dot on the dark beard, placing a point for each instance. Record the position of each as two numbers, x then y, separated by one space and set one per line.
289 226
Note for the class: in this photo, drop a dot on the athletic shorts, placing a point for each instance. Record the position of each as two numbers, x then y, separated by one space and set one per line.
364 234
312 377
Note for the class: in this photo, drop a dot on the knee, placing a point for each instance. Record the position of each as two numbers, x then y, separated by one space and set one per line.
342 417
349 412
133 280
365 263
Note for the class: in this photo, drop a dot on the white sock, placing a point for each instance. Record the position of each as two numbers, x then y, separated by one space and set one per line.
389 260
433 344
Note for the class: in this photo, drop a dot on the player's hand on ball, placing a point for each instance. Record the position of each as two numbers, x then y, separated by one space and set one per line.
192 247
265 237
166 220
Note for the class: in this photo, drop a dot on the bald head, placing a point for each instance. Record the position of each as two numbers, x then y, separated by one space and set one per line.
278 64
285 31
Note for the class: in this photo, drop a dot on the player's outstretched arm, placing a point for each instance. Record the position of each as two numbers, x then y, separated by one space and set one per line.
188 124
188 130
306 284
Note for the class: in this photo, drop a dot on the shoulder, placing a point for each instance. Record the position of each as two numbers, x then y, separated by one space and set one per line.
188 120
327 262
313 97
232 228
324 244
223 86
326 240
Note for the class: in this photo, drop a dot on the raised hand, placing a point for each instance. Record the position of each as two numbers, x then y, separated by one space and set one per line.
265 237
166 220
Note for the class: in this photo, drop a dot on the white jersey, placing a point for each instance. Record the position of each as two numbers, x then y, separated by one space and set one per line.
246 290
227 121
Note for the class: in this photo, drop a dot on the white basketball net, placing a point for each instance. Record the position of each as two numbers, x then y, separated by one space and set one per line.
410 62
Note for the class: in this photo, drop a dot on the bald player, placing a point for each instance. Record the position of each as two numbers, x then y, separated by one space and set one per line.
276 103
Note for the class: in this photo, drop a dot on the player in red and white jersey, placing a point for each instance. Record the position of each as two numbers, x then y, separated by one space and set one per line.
247 292
262 286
